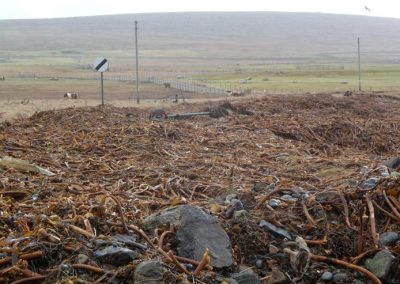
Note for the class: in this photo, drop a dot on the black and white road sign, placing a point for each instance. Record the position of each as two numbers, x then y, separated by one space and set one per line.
101 64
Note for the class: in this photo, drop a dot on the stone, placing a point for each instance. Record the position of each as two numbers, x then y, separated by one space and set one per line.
82 258
341 277
327 276
246 276
382 264
259 263
236 205
275 231
196 231
277 277
115 255
388 239
230 197
128 241
288 197
149 272
274 203
273 249
370 183
393 163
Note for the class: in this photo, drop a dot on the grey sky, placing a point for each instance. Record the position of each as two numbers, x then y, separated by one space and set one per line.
17 9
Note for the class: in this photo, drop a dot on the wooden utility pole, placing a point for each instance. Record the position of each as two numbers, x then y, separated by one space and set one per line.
137 64
359 65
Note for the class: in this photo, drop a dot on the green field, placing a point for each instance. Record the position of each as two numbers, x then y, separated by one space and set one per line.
280 52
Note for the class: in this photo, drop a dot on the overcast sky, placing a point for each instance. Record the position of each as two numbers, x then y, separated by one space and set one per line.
18 9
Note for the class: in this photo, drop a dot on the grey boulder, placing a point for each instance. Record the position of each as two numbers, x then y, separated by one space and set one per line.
196 231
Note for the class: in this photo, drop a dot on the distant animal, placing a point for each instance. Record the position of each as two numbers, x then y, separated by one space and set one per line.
2 78
348 93
366 8
167 85
71 96
235 94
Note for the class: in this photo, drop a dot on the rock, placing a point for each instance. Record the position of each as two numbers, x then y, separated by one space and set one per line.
232 281
149 272
275 231
128 241
393 163
382 264
369 183
259 263
274 203
288 197
341 277
230 197
246 276
196 231
327 276
82 258
236 205
115 255
273 249
388 239
277 277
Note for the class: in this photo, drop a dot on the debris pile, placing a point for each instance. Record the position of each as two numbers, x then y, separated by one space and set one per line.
303 190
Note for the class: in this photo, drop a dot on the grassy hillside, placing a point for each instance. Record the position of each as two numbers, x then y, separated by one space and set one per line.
228 35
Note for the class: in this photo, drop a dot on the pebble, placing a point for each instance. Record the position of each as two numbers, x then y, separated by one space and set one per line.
381 264
236 205
327 276
230 197
274 230
273 249
341 277
393 163
150 272
82 258
259 263
115 255
369 183
288 197
388 239
274 203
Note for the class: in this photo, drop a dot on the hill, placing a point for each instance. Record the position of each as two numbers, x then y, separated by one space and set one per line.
211 35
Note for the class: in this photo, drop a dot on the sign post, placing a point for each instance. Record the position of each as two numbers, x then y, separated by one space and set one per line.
101 65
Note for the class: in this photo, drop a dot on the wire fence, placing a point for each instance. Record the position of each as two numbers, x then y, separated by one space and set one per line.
187 87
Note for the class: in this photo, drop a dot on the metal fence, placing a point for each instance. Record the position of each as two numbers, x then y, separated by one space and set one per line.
187 87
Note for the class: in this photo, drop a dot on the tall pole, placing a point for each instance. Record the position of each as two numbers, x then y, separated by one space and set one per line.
102 90
137 65
359 65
